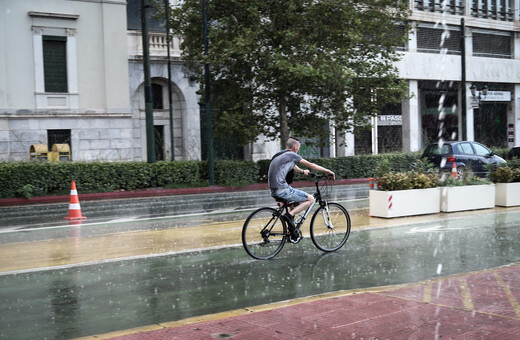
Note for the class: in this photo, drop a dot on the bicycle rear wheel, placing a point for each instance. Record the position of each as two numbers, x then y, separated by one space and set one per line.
263 234
330 227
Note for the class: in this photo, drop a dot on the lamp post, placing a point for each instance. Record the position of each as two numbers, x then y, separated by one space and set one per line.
211 161
482 93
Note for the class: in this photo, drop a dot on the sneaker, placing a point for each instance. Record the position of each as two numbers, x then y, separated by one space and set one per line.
290 221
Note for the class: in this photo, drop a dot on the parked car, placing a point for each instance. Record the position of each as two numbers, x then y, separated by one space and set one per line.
468 156
514 153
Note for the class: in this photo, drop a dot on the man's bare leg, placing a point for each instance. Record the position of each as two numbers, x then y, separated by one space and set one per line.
302 206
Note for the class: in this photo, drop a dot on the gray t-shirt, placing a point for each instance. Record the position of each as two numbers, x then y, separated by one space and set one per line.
279 168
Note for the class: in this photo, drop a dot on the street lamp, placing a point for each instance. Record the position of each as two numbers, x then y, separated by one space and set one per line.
481 91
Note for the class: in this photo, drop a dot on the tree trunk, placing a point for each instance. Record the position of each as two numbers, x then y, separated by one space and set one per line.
284 127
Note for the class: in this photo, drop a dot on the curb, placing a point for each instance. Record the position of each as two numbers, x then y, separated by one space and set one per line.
161 192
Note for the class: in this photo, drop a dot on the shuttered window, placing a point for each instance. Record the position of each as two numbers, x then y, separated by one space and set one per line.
433 40
55 63
492 44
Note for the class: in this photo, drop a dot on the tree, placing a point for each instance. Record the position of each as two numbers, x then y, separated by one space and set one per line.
279 63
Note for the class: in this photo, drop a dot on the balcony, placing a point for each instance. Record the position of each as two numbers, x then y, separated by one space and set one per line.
158 45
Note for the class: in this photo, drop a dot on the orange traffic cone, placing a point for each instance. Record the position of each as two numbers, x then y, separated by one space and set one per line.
454 173
74 207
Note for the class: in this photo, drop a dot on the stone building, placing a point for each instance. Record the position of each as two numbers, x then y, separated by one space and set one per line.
71 72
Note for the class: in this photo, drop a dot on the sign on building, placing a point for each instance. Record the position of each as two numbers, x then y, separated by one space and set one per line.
389 120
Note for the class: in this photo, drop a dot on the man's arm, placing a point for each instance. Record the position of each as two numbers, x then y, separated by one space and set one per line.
317 168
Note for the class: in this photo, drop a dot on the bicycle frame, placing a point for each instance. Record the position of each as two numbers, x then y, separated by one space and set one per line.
317 199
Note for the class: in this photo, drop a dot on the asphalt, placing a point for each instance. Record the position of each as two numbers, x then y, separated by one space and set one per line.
478 305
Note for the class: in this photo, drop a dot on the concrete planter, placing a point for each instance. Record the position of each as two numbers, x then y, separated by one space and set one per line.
467 197
400 203
507 194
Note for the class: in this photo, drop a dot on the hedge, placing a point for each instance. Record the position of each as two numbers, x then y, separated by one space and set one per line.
26 179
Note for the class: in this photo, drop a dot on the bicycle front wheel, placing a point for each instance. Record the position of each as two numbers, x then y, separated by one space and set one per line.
263 234
330 227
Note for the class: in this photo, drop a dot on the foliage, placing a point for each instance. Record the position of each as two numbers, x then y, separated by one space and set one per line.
358 166
279 63
505 174
28 179
407 180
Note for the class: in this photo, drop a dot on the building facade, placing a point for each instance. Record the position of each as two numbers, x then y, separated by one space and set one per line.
456 46
71 71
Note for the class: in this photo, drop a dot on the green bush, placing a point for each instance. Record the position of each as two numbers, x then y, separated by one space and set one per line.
505 174
28 179
358 166
407 180
236 172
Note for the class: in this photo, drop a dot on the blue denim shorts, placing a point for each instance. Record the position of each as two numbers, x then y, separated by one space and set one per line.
290 194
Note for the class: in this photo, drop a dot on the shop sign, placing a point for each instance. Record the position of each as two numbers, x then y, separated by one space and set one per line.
388 120
496 96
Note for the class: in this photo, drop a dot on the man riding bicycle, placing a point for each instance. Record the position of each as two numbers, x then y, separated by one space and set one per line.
281 164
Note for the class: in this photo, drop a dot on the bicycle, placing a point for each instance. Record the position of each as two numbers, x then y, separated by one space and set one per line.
265 232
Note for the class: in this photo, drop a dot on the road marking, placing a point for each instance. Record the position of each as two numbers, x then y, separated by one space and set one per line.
510 296
428 292
466 295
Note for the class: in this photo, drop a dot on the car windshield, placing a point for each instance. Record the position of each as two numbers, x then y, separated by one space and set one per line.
434 149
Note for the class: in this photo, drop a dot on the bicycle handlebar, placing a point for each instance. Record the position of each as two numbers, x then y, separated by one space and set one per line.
318 176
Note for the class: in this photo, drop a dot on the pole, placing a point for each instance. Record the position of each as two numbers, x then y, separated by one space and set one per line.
211 161
463 79
150 142
170 100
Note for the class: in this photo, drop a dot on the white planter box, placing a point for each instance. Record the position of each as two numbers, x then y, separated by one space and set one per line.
398 203
467 197
507 194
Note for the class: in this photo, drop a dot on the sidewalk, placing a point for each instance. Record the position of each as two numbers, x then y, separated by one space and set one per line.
478 305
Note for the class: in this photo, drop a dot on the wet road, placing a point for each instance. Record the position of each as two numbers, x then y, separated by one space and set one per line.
101 277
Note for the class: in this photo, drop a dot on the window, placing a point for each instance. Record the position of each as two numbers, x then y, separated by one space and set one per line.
482 151
157 96
466 148
439 6
492 44
493 9
55 63
433 40
58 137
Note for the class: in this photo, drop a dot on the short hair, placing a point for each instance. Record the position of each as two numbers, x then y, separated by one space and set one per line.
291 142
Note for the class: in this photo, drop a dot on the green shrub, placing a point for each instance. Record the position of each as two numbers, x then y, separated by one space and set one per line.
236 172
358 166
27 179
505 174
407 180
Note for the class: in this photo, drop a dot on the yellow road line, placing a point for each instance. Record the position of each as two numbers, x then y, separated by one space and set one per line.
428 292
466 295
509 294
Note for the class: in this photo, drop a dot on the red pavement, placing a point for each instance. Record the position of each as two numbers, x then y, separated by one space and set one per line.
479 305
